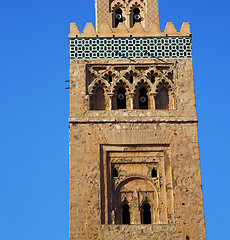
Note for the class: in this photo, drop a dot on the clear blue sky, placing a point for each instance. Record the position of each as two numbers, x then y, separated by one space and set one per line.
34 177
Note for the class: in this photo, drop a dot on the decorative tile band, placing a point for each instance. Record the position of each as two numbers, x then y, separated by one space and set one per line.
115 48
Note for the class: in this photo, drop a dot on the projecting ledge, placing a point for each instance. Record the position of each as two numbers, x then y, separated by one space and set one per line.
147 227
133 120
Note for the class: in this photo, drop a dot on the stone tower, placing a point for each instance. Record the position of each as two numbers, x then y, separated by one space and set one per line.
134 154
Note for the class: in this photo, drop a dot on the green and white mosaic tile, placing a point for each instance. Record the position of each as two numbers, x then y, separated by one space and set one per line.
117 48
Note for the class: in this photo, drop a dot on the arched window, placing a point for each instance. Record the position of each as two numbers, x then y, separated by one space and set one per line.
146 213
125 214
118 18
121 98
140 100
154 173
135 17
162 99
98 99
143 98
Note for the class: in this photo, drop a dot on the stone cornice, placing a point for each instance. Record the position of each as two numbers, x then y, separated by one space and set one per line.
101 119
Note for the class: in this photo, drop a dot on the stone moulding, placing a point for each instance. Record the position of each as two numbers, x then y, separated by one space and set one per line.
123 31
141 119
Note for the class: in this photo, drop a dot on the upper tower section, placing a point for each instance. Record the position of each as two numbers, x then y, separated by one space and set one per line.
127 66
129 12
127 18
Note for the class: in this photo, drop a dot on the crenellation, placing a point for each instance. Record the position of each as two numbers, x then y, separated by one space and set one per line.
185 29
74 31
89 31
105 30
170 29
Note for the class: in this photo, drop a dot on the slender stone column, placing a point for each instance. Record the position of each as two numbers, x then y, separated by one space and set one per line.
152 104
109 104
130 97
171 100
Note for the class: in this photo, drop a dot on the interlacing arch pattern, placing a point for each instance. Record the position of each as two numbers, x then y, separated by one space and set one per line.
110 72
93 72
121 81
142 81
127 5
130 69
98 82
170 70
111 77
164 82
116 5
151 70
133 4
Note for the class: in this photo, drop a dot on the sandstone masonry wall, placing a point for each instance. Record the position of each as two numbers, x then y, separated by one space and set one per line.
85 174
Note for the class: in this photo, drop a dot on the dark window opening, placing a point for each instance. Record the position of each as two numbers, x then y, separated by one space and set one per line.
136 16
154 173
162 99
118 17
125 214
131 79
143 99
121 98
187 237
146 214
110 79
152 79
115 173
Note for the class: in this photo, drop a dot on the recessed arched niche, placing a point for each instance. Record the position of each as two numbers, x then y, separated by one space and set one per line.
141 99
146 216
119 98
162 98
125 213
135 16
97 100
117 17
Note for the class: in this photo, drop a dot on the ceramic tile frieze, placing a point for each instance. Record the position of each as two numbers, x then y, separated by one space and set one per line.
139 48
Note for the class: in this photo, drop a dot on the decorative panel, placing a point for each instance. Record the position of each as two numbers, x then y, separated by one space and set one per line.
117 48
134 184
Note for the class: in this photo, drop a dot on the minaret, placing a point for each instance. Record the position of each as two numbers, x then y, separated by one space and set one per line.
134 154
